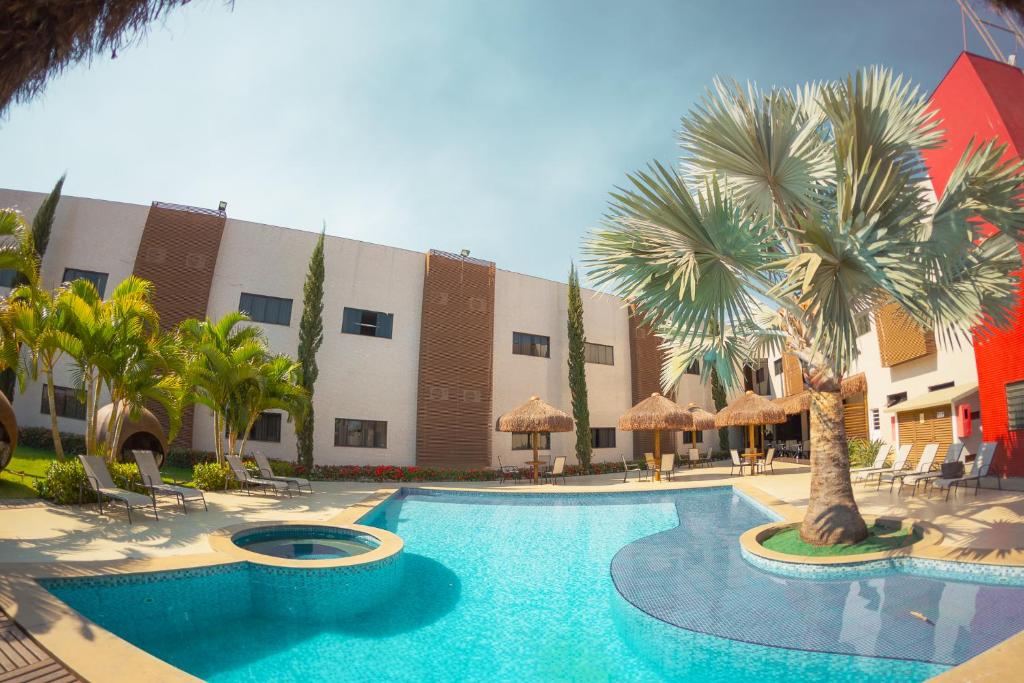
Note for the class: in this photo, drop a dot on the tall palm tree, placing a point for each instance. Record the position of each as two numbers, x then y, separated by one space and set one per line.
17 247
796 211
276 386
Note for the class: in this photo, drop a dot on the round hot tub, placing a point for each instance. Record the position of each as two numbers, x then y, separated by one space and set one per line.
306 542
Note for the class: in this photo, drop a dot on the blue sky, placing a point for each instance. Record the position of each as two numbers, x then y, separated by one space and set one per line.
494 126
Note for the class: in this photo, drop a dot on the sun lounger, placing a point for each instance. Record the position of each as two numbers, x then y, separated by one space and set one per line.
248 481
979 470
152 480
878 464
100 481
668 465
899 463
557 470
923 465
267 473
953 453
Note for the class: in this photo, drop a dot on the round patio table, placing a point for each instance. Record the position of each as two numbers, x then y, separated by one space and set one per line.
752 459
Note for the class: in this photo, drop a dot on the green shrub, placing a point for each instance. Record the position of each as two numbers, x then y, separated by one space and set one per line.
65 479
188 458
862 451
283 468
42 438
210 476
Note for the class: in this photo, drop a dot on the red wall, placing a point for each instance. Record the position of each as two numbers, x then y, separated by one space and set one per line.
983 98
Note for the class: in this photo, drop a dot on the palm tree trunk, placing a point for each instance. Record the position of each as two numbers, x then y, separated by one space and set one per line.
218 445
90 424
51 399
248 430
832 515
117 416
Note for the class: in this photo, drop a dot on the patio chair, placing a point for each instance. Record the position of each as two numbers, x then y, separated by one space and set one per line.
736 463
767 464
668 465
898 464
979 469
693 458
508 472
557 470
953 453
628 467
267 473
649 459
152 481
923 465
878 464
249 482
706 457
98 477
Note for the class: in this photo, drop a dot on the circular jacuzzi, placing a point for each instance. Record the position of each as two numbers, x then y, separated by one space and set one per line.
305 542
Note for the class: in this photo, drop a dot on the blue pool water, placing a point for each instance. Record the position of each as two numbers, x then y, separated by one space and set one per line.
513 587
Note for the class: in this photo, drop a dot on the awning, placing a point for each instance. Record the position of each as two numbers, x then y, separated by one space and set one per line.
942 397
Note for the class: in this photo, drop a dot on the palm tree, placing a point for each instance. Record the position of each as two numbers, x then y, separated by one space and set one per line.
17 247
796 211
276 386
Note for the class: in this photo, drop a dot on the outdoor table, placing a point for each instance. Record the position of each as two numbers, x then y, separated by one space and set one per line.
536 464
752 460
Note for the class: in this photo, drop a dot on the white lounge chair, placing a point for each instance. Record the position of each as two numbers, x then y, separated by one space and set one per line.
953 453
736 463
152 480
668 465
268 473
100 481
247 481
923 465
766 464
979 470
898 464
878 464
557 470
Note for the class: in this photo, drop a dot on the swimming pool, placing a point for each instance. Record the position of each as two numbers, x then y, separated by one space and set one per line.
305 542
553 587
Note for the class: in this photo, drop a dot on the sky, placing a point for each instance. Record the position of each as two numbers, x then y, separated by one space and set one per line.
498 127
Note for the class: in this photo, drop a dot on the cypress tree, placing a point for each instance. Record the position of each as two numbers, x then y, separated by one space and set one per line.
311 336
718 396
577 371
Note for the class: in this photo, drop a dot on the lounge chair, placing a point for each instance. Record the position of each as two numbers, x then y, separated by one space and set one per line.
152 481
953 453
267 473
767 463
557 470
668 465
628 467
736 463
923 465
100 481
878 464
979 470
249 482
899 463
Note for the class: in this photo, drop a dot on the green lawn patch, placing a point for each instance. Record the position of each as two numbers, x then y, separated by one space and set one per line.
880 539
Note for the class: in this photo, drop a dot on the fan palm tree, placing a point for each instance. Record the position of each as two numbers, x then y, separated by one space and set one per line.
796 211
276 386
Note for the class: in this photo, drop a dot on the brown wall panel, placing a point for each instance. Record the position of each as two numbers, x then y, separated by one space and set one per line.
454 395
925 426
792 374
645 361
178 253
900 339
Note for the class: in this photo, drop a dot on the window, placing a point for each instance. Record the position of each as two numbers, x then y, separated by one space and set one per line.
600 354
944 385
267 427
266 309
521 441
7 277
876 419
1015 405
759 375
778 366
98 279
893 399
861 324
602 437
65 401
688 437
976 415
367 323
531 345
693 368
360 433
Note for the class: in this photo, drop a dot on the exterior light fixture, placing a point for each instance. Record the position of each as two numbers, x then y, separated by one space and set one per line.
223 206
464 253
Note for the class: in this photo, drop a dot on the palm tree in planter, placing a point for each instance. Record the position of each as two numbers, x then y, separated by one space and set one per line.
276 386
795 212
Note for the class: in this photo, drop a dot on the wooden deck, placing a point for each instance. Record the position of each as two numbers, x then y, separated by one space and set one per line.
22 660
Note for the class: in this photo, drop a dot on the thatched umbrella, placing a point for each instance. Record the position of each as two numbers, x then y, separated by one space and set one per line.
702 420
749 410
656 413
800 402
535 416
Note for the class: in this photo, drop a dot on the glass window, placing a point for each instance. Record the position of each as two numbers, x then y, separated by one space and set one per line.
65 402
778 366
893 399
99 280
876 419
524 344
7 277
602 437
521 441
360 433
944 385
1015 405
367 323
266 309
267 427
759 375
688 437
861 324
600 354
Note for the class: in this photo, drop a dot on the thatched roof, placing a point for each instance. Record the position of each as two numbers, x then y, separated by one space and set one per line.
656 412
702 419
797 403
750 409
147 423
535 416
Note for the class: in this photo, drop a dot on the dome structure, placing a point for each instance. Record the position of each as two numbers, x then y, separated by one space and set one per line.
143 433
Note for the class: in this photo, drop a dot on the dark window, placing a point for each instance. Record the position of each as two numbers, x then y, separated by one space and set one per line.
602 437
65 401
360 433
759 375
976 415
876 419
531 344
944 385
861 324
893 399
688 437
778 366
1015 405
367 323
693 368
98 279
267 427
600 354
521 441
266 309
7 277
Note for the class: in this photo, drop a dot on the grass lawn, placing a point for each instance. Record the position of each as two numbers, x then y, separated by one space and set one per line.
33 461
879 539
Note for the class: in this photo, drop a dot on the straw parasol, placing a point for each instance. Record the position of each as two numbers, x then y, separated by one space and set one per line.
702 420
535 416
656 413
799 402
749 410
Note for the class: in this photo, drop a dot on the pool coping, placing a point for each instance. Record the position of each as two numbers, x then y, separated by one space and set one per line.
95 654
222 541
